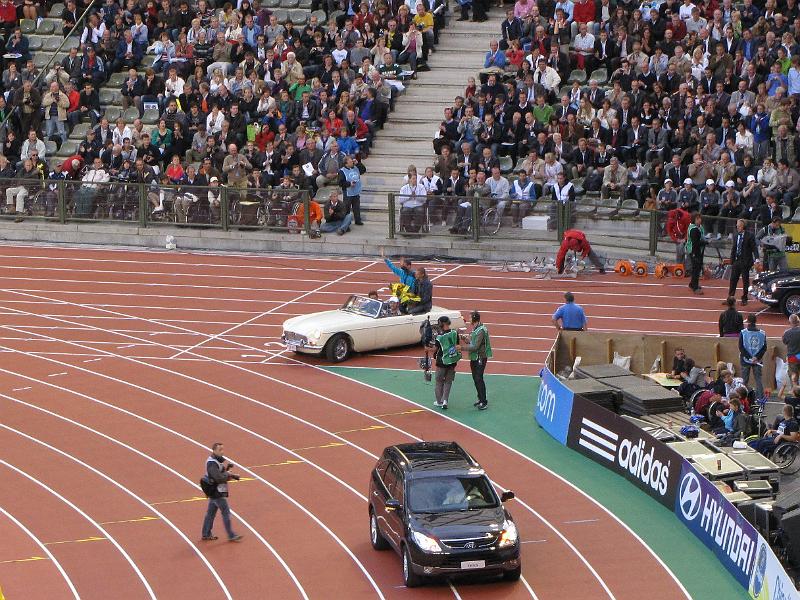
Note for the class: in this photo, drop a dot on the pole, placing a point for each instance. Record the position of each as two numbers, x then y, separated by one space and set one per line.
392 222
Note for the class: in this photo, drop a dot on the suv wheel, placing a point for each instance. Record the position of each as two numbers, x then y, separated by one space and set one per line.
410 578
378 541
513 575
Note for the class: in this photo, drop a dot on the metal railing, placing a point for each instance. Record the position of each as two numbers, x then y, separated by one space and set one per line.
634 228
153 205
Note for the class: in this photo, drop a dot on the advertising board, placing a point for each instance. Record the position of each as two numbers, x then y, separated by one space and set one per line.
553 406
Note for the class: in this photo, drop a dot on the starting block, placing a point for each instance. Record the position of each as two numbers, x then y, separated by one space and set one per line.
629 267
669 269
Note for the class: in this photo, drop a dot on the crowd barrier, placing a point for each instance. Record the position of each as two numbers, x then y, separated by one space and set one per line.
668 478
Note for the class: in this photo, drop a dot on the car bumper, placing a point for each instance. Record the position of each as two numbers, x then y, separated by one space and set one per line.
303 346
762 295
498 561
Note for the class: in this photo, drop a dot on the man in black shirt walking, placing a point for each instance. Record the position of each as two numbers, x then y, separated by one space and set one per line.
218 475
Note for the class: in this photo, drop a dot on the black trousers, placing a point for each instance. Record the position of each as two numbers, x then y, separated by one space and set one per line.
477 367
696 263
739 270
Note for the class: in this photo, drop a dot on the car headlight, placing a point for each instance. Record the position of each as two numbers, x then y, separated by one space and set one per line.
316 334
426 543
509 536
773 287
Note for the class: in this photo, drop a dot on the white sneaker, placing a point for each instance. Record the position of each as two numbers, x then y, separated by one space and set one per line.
437 403
708 235
719 236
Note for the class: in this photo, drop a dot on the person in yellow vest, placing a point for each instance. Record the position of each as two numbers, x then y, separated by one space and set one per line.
447 353
480 350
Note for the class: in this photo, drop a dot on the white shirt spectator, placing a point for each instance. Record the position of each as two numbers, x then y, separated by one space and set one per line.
27 149
412 196
117 135
214 124
174 87
584 43
96 176
499 187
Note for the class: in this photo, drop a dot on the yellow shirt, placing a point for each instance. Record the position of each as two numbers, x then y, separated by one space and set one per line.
426 20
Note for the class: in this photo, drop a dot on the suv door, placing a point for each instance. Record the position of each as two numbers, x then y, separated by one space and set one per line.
393 481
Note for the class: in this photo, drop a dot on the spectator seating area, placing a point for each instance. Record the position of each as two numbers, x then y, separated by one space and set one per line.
658 106
295 85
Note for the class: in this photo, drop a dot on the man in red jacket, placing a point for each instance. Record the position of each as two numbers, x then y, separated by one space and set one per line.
575 239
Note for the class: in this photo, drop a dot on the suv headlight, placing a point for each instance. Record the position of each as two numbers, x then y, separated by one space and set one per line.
509 536
426 543
316 334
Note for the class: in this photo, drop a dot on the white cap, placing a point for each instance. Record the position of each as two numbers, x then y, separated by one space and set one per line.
687 181
730 184
751 178
213 179
708 182
668 179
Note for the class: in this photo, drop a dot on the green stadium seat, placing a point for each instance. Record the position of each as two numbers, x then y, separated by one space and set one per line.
131 114
281 14
116 80
47 27
68 148
34 43
599 75
110 96
289 3
27 26
113 113
56 10
51 43
79 131
150 117
50 147
299 16
578 75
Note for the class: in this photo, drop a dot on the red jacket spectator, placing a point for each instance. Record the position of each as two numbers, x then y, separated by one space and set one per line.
8 12
678 221
583 12
66 167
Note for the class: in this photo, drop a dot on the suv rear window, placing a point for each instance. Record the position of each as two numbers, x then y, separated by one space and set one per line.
450 493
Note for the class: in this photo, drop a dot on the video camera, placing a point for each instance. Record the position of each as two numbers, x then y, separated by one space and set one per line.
427 333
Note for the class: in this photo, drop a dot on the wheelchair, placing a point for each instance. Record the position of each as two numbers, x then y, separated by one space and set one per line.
785 457
41 203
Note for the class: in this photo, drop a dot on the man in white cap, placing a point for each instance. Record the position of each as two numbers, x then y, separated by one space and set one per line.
710 204
687 197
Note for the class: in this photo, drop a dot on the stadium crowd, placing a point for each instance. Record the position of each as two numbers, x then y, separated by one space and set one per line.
664 104
212 93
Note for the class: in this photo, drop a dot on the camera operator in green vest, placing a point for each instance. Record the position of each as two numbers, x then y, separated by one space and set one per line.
480 350
447 354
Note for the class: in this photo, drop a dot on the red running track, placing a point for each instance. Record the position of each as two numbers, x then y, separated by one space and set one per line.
122 366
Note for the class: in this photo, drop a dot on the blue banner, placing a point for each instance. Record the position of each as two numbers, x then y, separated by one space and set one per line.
554 406
717 523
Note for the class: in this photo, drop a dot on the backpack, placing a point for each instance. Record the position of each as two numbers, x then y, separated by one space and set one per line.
209 487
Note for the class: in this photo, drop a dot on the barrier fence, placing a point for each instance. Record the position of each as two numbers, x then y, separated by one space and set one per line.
152 204
645 230
667 477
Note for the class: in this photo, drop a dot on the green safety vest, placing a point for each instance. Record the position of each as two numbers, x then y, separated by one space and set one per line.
474 336
448 341
689 236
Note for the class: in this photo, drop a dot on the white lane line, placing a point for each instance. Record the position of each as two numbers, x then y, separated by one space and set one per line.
21 389
453 589
533 541
528 587
83 514
133 495
149 459
44 549
280 306
93 360
578 521
338 540
347 442
58 374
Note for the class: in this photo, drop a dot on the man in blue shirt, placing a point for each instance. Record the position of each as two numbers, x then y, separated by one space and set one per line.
570 314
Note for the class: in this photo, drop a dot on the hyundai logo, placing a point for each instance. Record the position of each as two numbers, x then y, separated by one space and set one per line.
469 545
689 496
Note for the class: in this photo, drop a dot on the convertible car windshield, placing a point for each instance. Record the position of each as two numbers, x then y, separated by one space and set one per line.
363 306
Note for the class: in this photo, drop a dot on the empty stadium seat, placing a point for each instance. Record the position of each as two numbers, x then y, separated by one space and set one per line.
608 207
281 14
796 215
110 96
506 164
628 208
79 131
786 212
68 148
34 43
51 43
50 147
113 113
599 75
578 75
289 3
117 79
47 27
41 59
56 10
130 114
150 117
27 26
299 16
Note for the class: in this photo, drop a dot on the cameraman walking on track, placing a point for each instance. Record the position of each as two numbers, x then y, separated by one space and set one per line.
480 350
446 355
215 485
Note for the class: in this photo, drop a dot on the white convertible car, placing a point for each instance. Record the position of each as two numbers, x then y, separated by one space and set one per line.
360 325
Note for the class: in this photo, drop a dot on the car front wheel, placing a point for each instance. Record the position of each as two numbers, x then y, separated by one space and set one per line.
378 541
790 304
338 348
410 578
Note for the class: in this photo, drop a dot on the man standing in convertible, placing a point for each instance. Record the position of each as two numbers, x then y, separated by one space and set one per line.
575 239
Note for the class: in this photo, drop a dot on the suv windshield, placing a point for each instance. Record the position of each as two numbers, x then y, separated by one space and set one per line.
450 493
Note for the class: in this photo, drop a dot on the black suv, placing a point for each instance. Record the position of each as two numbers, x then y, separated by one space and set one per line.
433 503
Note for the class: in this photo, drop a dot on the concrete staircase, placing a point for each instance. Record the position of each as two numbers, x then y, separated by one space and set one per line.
408 135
